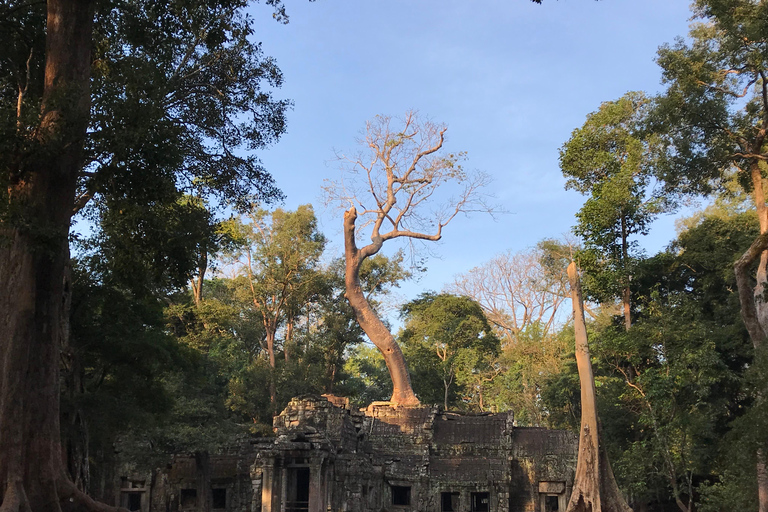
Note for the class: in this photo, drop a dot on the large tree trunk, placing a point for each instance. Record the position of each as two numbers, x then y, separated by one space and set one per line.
34 254
402 392
594 487
754 304
762 482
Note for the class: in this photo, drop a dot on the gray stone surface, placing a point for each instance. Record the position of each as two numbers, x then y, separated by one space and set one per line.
328 457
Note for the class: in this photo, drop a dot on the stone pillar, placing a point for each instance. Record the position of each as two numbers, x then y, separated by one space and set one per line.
270 487
316 487
282 490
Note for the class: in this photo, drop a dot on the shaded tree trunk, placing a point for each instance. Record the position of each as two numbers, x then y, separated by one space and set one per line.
288 337
594 487
754 304
402 392
203 470
626 293
270 336
197 282
34 254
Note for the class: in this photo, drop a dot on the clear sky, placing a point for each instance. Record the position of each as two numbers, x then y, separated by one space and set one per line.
510 78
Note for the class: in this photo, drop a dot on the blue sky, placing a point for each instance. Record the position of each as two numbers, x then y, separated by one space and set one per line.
510 78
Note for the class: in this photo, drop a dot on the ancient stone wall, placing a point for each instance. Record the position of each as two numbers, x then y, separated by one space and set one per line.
328 457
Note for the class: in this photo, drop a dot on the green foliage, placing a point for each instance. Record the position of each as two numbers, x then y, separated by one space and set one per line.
368 379
449 346
114 364
670 388
282 255
157 248
713 109
181 98
612 159
525 366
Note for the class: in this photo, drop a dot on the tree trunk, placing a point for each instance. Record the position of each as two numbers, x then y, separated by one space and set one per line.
34 254
762 482
626 293
594 487
203 470
402 392
754 306
197 282
272 363
288 337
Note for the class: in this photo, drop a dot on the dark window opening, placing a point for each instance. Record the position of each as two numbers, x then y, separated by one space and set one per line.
188 498
551 504
481 502
449 502
298 490
132 501
219 498
401 495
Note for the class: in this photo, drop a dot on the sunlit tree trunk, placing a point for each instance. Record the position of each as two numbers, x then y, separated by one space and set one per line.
197 282
594 487
270 338
402 392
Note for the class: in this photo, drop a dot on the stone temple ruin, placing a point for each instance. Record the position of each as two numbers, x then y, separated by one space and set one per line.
328 457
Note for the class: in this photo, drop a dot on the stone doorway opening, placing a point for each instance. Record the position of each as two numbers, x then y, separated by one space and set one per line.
297 495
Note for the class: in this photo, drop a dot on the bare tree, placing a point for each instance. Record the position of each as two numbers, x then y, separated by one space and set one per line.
594 486
402 170
517 290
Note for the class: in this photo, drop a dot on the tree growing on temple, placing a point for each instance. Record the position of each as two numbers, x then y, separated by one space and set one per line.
403 171
594 486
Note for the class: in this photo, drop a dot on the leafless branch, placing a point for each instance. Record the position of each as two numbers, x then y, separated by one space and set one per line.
403 168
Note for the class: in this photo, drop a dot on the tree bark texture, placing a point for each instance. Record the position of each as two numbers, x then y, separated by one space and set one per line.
34 255
594 487
754 303
402 392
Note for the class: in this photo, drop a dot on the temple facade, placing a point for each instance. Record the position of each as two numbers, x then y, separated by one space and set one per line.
329 457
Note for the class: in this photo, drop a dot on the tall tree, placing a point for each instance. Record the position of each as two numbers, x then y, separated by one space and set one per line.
405 168
594 486
280 269
611 159
64 144
714 114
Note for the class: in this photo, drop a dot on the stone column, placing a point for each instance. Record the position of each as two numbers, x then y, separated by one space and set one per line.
282 490
316 488
270 487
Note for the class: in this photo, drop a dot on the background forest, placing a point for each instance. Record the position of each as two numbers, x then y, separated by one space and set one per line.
199 307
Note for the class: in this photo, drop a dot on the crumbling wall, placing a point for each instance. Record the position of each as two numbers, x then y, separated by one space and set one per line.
543 460
328 457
